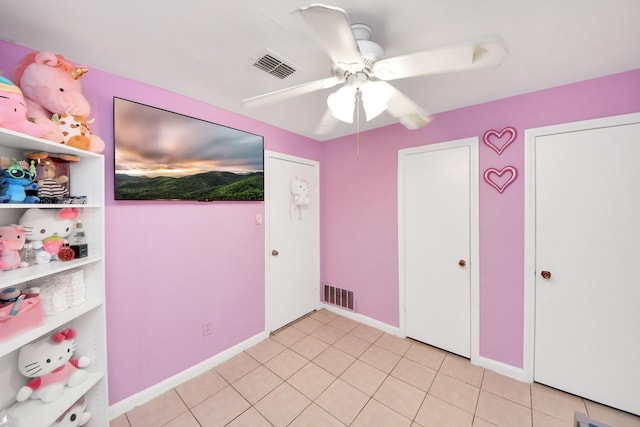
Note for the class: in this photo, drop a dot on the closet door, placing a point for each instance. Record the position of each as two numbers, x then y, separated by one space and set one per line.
435 248
293 238
587 247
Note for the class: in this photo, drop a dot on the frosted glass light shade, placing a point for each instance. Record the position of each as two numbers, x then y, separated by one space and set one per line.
375 98
342 103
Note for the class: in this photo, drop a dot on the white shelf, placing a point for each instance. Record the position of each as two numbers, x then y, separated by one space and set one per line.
21 275
86 178
24 143
35 413
50 324
47 206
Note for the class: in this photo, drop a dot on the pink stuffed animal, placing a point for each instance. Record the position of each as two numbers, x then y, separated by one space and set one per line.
13 110
51 85
12 239
48 362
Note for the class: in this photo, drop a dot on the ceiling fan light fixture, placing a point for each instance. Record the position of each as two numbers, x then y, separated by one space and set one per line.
342 103
375 98
359 64
373 109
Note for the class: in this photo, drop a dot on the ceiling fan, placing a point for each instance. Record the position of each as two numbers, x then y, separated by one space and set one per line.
360 67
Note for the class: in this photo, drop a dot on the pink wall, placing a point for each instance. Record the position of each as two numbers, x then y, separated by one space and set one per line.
359 205
173 265
205 262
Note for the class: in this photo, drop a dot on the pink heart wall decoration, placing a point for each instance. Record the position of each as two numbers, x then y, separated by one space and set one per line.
490 134
489 177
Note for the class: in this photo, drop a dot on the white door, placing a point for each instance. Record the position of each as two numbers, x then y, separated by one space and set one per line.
587 246
435 243
293 238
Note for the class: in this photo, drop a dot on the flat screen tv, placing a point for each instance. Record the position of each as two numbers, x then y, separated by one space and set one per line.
163 155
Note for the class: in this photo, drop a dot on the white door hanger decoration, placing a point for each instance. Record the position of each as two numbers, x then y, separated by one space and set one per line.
299 197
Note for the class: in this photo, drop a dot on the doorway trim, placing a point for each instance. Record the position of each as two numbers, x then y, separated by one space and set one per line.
268 154
530 136
474 224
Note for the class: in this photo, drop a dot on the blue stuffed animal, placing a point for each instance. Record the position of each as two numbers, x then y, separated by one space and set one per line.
16 180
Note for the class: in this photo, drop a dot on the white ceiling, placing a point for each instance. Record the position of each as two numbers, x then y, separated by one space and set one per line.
203 48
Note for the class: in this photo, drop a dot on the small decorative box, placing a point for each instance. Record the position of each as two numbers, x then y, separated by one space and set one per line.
81 251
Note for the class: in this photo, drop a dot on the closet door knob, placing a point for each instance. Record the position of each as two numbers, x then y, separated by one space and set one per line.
462 263
545 275
274 252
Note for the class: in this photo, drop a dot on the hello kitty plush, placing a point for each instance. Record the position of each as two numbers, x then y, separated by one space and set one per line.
11 241
77 415
47 229
299 196
49 363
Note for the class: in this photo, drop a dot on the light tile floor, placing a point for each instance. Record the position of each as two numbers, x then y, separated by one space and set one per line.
328 370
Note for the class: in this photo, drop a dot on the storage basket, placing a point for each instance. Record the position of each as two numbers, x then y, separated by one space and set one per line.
29 314
61 291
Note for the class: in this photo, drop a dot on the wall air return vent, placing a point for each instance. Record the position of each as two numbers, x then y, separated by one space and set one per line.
340 297
268 62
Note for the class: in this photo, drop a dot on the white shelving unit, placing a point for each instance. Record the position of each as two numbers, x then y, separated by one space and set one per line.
86 177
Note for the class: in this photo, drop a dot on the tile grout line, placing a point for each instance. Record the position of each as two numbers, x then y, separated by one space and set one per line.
312 401
186 406
377 342
475 410
412 420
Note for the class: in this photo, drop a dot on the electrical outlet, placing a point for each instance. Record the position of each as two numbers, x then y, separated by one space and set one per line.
206 328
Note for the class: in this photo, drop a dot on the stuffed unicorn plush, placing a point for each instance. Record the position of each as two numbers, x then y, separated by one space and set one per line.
48 362
51 85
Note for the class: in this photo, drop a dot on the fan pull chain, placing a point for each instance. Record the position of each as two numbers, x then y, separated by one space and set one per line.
358 104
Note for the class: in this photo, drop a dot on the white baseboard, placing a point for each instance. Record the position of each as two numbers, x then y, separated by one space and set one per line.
156 390
493 365
144 396
363 319
502 368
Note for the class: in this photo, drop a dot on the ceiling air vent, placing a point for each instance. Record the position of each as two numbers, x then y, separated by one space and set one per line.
273 65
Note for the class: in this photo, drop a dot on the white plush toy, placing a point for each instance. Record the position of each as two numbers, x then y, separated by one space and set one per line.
47 228
299 196
48 362
77 415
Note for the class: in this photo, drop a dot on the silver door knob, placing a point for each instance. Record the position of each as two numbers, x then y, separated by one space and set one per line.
274 252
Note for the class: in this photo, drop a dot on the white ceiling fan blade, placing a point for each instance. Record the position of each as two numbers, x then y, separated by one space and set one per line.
405 110
442 60
327 124
290 92
333 32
